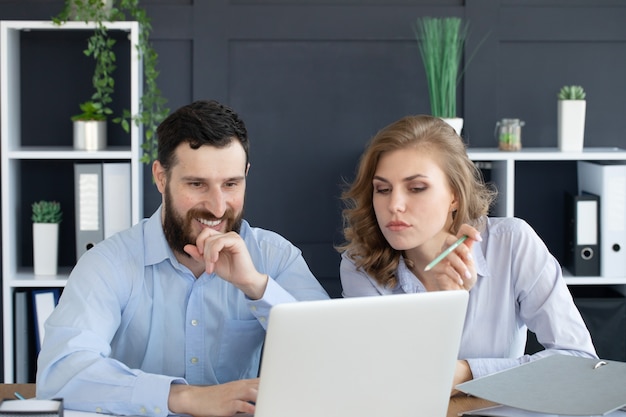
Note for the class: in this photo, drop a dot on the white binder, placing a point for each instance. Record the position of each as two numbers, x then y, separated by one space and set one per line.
116 197
44 302
607 179
582 256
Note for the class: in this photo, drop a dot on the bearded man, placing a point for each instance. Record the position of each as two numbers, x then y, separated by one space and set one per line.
169 316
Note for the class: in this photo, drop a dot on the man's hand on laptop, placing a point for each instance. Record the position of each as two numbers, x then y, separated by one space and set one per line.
214 400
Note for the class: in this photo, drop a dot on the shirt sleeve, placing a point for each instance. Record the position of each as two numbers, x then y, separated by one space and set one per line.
355 282
78 335
544 305
290 278
274 295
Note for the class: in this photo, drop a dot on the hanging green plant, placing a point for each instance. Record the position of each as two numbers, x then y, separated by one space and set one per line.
100 47
152 107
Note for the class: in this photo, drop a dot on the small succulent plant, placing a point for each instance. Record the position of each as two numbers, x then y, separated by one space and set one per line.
47 212
571 92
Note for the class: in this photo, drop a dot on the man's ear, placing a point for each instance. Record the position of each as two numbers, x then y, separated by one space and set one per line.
158 176
247 169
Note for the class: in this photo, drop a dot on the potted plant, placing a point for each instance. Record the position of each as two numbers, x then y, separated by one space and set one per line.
46 216
100 46
441 42
571 118
90 126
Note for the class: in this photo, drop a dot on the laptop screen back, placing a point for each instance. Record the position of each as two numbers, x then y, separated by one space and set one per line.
368 356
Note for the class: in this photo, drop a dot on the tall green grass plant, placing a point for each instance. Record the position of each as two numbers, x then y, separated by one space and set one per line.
441 42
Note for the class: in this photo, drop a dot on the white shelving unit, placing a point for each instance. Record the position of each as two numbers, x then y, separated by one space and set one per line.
502 165
14 153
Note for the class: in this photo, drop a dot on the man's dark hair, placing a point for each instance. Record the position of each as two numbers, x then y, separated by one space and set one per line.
203 122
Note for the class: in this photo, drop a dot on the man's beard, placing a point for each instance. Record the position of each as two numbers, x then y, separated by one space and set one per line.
178 228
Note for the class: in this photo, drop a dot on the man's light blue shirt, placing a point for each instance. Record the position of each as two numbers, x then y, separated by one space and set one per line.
520 286
132 320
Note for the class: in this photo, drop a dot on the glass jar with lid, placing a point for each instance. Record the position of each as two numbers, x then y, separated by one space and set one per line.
508 132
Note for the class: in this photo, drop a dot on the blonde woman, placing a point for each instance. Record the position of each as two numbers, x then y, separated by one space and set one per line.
415 192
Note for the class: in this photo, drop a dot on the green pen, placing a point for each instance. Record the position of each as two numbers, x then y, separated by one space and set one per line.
445 253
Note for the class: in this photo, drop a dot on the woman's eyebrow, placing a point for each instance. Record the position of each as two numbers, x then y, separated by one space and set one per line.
410 178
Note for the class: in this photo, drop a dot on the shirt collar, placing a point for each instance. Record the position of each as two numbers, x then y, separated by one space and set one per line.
407 280
156 247
482 270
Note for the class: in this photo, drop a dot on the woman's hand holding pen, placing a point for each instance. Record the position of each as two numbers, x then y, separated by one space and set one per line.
456 269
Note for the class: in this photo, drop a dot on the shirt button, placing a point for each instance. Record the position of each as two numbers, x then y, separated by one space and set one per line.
98 410
252 308
194 322
262 319
157 410
194 360
142 410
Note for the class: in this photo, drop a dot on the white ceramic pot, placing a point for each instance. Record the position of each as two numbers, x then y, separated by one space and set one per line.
45 248
90 135
571 125
455 122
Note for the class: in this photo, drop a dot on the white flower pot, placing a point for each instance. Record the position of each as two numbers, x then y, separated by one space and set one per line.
90 135
571 125
45 248
455 122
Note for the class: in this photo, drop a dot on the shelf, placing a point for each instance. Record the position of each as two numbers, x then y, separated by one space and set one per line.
502 166
28 25
25 278
583 280
37 163
58 152
546 154
594 280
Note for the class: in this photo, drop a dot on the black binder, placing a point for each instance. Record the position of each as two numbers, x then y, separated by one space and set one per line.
582 241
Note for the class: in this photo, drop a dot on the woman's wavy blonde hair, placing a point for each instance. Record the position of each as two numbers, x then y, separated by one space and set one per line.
365 243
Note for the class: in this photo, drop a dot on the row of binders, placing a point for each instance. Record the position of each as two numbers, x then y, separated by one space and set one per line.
32 307
103 202
596 216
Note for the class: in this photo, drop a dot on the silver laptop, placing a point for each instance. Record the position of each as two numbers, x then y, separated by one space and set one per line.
369 356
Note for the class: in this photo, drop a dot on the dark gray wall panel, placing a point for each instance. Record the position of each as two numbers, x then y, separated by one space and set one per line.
315 79
175 66
531 74
219 24
566 22
531 50
307 131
